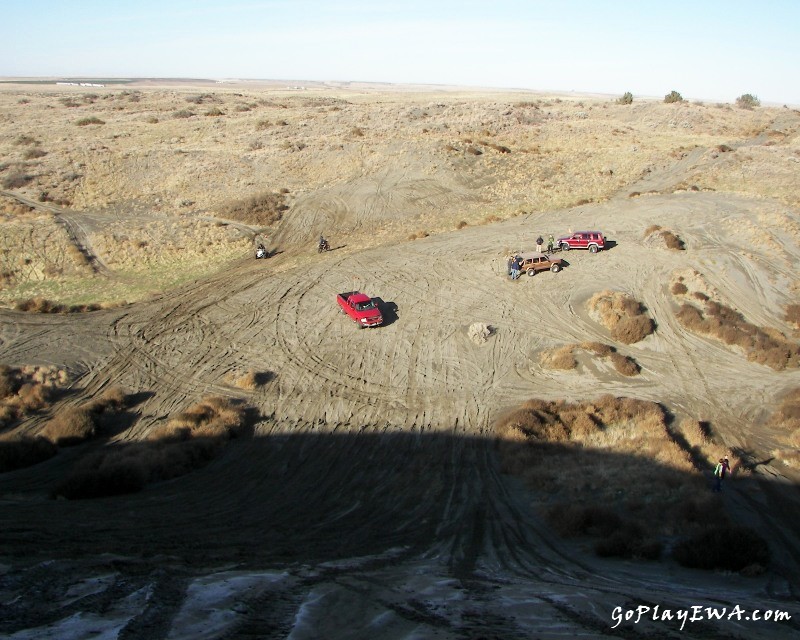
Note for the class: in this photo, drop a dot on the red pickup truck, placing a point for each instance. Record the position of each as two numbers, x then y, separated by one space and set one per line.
361 308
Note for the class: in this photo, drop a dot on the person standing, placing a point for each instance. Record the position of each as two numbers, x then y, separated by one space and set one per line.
550 243
539 243
515 267
719 474
510 263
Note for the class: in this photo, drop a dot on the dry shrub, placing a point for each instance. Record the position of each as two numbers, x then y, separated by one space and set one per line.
793 314
251 379
598 348
103 475
617 452
571 520
622 315
786 419
672 241
625 365
628 541
630 329
731 548
26 389
17 453
679 289
562 358
788 457
651 229
71 426
16 180
767 347
8 381
187 442
214 417
262 209
461 224
418 235
696 432
87 121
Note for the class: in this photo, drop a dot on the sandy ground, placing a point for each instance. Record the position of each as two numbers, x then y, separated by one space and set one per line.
369 503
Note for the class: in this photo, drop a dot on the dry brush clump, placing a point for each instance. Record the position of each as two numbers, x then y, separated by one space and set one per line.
25 390
261 209
76 424
724 547
186 442
793 315
249 380
622 315
786 420
669 238
563 357
764 346
618 452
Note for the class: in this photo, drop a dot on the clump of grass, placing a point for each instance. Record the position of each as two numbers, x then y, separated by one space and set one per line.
25 140
679 289
250 379
793 314
264 209
25 390
562 358
461 224
16 180
417 235
74 425
182 114
18 453
719 321
215 111
33 154
731 548
43 305
604 452
472 150
187 442
625 365
90 120
622 315
672 241
598 348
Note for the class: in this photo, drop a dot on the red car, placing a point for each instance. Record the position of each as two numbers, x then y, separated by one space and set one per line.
591 240
361 308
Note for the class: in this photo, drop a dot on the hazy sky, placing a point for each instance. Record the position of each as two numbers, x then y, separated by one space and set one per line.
705 49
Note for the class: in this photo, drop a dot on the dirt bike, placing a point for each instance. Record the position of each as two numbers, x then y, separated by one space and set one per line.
323 246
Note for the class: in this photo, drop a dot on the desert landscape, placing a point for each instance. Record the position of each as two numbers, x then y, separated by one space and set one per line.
198 444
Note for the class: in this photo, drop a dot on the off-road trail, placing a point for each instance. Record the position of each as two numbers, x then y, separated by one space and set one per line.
367 498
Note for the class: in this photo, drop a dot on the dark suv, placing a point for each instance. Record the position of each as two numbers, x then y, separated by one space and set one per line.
591 240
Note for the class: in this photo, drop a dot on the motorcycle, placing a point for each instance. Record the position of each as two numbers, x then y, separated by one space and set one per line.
323 246
261 252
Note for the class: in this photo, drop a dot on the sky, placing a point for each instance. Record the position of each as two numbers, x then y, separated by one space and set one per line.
704 49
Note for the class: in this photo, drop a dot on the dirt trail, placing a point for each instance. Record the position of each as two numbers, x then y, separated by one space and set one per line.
368 502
